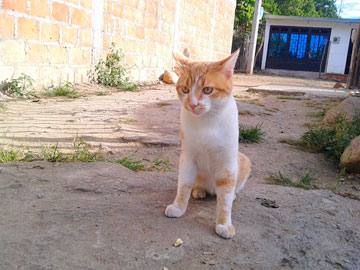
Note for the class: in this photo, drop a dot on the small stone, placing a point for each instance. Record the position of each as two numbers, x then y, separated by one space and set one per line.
40 196
212 262
164 268
178 242
285 261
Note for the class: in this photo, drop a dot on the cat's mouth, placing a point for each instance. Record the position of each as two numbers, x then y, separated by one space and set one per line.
196 111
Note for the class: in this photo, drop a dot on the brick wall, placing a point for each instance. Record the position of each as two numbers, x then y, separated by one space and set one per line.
55 41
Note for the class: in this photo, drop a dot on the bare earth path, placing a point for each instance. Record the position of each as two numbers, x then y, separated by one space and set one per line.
104 216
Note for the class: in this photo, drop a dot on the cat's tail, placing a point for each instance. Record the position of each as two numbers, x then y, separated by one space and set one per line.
244 170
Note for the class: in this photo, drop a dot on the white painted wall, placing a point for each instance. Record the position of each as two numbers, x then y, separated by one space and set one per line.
338 52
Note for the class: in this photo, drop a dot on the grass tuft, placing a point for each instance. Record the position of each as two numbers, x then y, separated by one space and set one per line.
250 134
134 165
145 165
81 152
101 93
163 104
8 155
66 90
305 181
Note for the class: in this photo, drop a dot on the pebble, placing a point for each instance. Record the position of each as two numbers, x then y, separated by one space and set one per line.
40 196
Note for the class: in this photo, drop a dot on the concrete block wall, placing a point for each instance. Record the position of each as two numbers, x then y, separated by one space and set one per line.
56 41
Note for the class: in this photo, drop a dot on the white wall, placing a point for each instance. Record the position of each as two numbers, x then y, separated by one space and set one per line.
338 52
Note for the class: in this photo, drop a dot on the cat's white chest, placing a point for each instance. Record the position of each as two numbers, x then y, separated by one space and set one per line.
211 142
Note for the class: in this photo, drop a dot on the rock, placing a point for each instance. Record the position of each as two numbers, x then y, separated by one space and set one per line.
338 85
350 159
347 107
170 77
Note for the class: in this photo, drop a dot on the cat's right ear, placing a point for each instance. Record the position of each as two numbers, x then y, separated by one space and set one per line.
180 60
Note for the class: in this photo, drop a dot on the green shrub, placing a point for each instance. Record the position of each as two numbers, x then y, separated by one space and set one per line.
20 87
332 139
112 72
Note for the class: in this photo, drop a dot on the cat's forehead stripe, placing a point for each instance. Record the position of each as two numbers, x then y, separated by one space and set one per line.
195 83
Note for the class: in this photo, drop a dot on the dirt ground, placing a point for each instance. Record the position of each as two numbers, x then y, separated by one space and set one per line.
104 216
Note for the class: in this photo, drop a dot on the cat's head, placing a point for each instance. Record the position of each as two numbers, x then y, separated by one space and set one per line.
204 87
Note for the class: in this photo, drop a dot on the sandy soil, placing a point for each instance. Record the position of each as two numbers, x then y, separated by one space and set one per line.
103 216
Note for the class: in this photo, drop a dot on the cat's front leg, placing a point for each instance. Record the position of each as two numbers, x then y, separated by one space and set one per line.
225 190
187 175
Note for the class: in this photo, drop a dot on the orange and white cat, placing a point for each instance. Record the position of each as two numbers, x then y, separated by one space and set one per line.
210 161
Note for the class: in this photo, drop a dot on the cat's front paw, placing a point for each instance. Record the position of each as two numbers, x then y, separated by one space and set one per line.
173 211
225 231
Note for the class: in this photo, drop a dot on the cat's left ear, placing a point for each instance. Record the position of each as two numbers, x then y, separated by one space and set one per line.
180 60
227 65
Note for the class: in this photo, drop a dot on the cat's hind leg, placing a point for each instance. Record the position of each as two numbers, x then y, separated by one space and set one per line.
198 191
244 170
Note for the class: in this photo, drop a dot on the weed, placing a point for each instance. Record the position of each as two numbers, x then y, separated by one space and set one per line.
112 72
162 104
134 165
127 120
159 165
305 181
339 179
310 124
8 155
101 93
291 141
332 139
2 107
315 114
20 87
66 90
250 134
53 154
145 165
81 152
289 98
280 180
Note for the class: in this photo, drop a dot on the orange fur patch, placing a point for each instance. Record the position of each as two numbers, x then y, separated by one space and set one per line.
183 194
227 184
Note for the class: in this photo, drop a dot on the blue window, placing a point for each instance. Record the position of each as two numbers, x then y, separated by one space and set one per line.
297 46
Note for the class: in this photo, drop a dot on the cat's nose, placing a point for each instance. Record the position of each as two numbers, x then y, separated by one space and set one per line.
193 106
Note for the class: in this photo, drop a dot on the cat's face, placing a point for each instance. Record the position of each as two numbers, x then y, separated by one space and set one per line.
204 86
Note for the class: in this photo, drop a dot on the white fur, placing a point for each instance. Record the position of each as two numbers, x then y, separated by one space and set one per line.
211 142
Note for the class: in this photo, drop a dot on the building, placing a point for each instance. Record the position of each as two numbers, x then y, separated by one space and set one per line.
55 41
304 43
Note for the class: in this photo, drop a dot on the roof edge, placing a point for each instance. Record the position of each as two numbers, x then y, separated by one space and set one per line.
319 19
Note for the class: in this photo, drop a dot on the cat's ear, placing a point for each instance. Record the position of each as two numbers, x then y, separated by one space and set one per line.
180 59
186 53
227 65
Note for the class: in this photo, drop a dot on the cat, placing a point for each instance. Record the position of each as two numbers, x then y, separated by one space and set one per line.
209 161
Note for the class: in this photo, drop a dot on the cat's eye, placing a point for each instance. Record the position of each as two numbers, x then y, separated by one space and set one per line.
185 90
208 90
